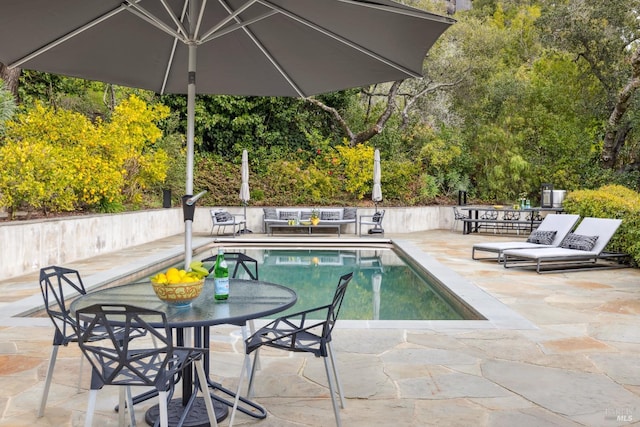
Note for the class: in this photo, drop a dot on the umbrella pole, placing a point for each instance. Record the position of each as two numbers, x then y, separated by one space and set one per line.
191 102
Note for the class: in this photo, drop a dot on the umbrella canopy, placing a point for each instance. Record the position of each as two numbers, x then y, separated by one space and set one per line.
239 47
376 194
244 47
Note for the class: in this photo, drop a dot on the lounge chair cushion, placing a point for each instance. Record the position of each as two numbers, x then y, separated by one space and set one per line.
542 237
223 216
579 242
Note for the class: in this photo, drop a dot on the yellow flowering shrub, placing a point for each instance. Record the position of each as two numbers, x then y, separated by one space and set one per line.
58 160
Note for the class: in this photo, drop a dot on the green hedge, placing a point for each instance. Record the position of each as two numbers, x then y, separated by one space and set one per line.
611 201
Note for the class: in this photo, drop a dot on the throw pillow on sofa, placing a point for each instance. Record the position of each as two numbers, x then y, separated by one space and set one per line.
329 215
288 215
270 213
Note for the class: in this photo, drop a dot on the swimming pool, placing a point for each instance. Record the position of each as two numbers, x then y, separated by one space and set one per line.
384 285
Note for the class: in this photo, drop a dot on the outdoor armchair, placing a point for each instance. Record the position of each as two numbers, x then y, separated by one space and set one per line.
375 220
301 332
223 219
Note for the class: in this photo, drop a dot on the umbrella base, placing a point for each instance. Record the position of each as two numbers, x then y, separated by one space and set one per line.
376 231
245 231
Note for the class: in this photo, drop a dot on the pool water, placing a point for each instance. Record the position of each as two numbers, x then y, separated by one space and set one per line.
384 286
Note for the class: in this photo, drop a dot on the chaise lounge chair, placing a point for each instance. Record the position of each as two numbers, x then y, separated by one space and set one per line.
579 250
542 237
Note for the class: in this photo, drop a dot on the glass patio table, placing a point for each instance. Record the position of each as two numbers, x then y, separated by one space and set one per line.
248 299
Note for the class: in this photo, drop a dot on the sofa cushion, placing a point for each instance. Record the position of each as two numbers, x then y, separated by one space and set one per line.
350 213
270 213
579 242
542 237
330 215
288 214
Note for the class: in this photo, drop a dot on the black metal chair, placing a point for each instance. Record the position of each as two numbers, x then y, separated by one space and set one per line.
458 216
56 283
299 332
248 264
136 362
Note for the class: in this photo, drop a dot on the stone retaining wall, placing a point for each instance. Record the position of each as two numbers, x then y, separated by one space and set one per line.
26 246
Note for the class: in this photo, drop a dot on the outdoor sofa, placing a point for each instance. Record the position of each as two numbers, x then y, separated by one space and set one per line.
335 216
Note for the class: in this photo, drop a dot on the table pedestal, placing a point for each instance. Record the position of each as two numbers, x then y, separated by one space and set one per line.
196 415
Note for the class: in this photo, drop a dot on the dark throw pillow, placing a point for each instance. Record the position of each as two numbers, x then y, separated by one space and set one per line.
579 242
377 217
329 215
542 237
223 217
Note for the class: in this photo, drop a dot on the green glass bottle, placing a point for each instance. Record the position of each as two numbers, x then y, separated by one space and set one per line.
221 277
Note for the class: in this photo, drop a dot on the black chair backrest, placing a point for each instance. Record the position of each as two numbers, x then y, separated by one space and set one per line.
240 260
336 305
56 283
116 361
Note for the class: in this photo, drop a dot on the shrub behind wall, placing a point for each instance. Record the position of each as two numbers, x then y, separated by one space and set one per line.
611 201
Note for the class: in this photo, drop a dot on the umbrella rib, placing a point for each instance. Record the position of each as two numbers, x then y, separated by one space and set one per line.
236 26
341 39
265 52
228 19
401 9
175 19
173 49
68 36
153 20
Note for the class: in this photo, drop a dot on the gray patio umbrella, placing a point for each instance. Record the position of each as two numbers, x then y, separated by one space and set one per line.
376 194
238 47
245 196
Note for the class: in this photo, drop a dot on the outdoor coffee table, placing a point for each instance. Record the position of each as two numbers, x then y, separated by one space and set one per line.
308 227
248 299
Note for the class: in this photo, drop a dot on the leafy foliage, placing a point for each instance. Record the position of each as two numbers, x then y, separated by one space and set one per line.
611 201
57 160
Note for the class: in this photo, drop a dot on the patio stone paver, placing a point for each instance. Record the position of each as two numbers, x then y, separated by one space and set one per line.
576 364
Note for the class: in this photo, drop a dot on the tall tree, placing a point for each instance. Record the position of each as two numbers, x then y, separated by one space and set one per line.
11 77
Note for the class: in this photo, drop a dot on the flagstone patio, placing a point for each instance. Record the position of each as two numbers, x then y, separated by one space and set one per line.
577 364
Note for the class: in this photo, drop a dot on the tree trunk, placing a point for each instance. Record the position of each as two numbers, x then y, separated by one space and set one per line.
10 77
367 134
615 133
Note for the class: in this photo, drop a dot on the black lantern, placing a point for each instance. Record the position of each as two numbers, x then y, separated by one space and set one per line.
546 197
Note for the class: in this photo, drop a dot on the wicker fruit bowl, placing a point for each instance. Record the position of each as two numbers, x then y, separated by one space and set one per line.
178 294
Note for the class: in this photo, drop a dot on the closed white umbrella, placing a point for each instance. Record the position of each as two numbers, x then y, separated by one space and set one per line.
376 194
245 196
